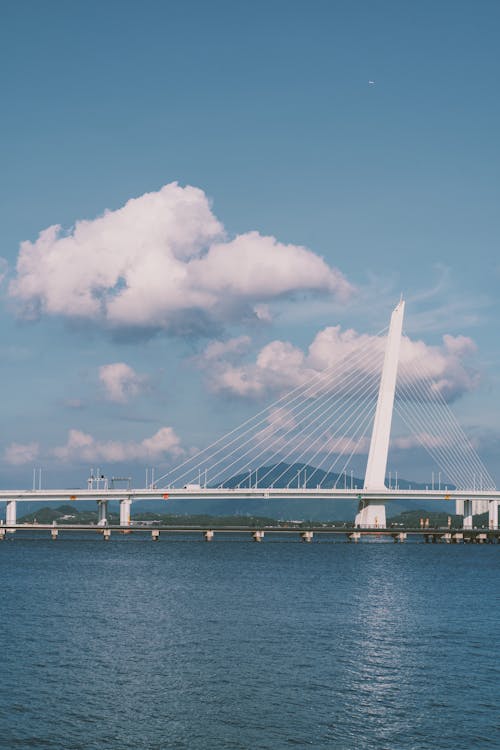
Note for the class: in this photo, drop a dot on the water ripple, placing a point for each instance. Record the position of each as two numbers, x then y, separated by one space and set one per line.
227 646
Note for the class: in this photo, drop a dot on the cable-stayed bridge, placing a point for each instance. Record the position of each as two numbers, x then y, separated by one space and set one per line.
327 421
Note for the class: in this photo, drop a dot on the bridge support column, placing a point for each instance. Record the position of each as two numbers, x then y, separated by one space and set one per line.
370 515
102 512
208 535
307 536
11 514
106 534
258 536
155 535
400 537
467 514
493 515
125 511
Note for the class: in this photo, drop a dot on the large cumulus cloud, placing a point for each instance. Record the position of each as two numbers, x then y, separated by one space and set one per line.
162 261
280 366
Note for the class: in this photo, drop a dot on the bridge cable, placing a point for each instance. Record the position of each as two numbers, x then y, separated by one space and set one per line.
327 416
443 414
289 420
251 424
425 389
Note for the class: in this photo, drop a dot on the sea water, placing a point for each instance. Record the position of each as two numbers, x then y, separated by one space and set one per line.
232 644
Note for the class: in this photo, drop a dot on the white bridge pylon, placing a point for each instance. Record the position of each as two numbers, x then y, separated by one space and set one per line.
371 513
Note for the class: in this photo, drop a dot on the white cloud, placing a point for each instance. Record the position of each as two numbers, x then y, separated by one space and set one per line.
426 439
280 366
121 382
217 349
459 345
443 365
19 453
81 447
263 312
4 267
284 429
163 261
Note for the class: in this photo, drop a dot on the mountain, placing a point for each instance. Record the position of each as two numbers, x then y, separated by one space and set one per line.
293 475
303 475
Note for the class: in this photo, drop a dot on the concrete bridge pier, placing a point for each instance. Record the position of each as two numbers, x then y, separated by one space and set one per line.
258 536
307 536
125 511
155 535
102 512
11 514
493 515
400 537
208 535
467 514
371 515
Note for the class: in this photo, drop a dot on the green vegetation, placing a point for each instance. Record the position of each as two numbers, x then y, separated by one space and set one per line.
65 514
202 519
410 519
68 514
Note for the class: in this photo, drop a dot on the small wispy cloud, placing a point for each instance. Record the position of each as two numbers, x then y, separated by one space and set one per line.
4 267
73 403
17 454
121 382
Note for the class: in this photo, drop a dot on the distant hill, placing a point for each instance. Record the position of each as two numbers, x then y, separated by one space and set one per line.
303 475
298 474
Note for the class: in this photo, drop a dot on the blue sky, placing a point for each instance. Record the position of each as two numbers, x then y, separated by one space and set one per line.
267 108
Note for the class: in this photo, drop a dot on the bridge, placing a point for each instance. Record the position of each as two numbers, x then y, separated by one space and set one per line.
324 421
